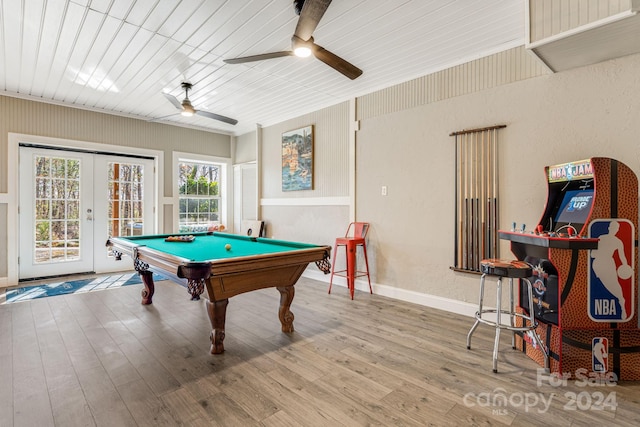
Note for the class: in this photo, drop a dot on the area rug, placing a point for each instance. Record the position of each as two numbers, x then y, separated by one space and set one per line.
75 286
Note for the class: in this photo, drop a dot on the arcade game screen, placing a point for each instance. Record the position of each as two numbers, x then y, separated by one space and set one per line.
570 205
575 207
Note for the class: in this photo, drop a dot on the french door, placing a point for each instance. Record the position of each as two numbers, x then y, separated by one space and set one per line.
71 202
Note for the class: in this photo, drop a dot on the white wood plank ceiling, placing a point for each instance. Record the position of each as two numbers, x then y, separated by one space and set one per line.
118 56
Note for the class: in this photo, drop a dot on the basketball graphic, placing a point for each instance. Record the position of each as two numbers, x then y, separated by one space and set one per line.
611 287
625 272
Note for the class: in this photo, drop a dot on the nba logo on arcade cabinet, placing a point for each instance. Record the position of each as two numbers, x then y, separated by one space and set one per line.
600 354
611 294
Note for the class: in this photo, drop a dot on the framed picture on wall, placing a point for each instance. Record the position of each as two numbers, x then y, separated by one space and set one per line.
297 159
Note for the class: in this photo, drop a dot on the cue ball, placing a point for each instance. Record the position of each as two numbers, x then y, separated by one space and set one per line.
227 247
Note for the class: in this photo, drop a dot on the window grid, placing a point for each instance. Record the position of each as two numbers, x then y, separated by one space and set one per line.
57 209
199 196
126 199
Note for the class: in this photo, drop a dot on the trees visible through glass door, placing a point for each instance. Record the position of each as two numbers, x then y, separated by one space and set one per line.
57 209
126 199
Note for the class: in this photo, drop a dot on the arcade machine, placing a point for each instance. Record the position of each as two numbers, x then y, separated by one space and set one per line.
584 258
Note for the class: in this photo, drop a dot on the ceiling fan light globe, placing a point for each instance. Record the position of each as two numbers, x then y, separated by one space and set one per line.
302 51
187 108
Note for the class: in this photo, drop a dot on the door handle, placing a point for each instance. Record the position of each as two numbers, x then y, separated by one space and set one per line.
89 215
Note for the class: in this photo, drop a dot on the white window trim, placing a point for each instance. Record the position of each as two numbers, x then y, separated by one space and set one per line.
226 185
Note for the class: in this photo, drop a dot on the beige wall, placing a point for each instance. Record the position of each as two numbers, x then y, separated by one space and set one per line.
330 154
245 148
586 112
478 75
317 215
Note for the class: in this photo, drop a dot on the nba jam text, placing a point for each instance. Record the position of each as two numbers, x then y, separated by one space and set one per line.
570 171
593 395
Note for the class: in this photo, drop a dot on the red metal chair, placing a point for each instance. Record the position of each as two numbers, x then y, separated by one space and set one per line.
355 236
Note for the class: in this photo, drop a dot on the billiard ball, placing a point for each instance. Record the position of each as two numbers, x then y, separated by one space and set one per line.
227 247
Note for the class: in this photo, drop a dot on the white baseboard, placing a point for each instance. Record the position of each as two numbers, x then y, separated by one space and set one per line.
433 301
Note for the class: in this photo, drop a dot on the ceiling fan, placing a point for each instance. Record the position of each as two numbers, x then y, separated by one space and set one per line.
187 109
302 44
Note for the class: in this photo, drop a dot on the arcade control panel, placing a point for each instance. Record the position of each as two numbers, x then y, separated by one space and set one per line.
564 238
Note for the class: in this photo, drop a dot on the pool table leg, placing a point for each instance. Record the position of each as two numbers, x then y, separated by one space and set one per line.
285 315
149 287
217 311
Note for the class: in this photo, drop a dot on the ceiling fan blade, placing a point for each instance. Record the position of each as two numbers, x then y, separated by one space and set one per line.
260 57
216 117
172 99
310 16
337 63
158 119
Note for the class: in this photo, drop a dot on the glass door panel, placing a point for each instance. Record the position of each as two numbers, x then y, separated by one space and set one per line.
126 199
55 188
128 203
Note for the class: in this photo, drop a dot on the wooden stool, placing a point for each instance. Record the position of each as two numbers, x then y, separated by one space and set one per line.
512 270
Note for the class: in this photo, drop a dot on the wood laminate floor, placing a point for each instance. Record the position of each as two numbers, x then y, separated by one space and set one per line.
101 358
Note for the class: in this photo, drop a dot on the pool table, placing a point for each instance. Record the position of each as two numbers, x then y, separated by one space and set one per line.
226 264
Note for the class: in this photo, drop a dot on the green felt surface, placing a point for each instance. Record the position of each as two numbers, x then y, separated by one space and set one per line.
207 247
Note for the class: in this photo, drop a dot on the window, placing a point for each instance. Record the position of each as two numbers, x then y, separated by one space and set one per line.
476 233
57 213
199 195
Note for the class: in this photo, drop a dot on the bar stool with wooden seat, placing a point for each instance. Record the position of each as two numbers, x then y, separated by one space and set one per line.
354 237
510 269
